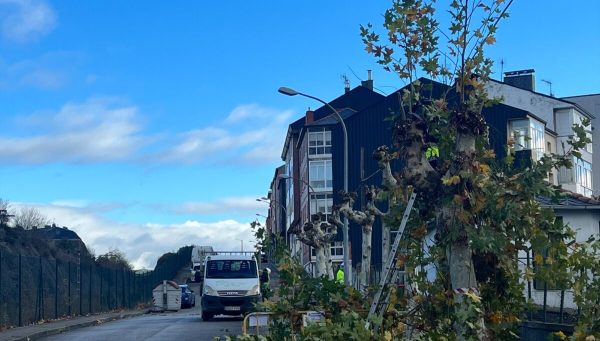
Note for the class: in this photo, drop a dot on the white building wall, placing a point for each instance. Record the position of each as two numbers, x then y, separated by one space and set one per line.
538 105
559 116
586 223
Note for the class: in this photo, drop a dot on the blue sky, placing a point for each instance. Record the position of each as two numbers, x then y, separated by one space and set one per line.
146 126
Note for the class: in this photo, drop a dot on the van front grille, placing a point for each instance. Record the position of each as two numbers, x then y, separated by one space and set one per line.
231 292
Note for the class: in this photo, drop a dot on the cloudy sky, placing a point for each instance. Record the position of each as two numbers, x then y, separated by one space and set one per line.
147 126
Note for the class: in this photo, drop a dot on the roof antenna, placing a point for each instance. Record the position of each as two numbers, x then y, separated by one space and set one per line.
550 85
346 83
502 69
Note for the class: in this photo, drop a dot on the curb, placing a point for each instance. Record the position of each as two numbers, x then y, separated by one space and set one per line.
59 330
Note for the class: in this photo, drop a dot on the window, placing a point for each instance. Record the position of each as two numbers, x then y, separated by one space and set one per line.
320 174
319 141
231 269
583 176
321 203
518 130
337 250
528 134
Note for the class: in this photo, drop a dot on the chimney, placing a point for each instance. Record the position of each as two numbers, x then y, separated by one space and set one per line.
523 79
310 116
368 83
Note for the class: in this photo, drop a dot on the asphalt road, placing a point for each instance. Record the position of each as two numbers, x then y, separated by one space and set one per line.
185 324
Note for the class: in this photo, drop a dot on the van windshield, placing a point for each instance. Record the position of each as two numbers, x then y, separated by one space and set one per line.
231 269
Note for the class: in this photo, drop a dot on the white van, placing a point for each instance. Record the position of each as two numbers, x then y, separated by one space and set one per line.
231 285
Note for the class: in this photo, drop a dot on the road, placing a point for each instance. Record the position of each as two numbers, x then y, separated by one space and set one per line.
183 325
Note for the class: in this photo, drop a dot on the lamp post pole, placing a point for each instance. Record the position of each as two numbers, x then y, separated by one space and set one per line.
291 92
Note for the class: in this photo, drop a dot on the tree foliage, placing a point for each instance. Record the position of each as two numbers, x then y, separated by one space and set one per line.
114 258
484 211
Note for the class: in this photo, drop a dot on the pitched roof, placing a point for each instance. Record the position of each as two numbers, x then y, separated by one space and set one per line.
356 99
571 200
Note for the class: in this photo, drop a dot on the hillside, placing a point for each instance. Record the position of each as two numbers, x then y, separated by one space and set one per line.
49 242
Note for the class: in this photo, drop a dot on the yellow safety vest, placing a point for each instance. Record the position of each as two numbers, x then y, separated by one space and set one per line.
432 151
340 276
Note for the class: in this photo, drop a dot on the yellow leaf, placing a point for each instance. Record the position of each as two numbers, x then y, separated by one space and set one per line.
560 335
489 153
538 258
483 168
490 40
473 296
449 181
387 336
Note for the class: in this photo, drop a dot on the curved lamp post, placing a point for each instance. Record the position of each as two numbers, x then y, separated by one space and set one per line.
268 201
292 92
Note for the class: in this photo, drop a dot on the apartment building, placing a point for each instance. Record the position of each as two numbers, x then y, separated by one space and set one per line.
537 123
313 154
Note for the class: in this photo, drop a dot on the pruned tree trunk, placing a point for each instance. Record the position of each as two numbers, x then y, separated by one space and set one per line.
328 265
427 181
321 261
460 254
365 219
319 235
389 183
366 256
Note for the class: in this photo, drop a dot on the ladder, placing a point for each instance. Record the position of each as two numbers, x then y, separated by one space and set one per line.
390 271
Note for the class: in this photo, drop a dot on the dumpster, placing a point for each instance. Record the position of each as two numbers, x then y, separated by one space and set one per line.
166 296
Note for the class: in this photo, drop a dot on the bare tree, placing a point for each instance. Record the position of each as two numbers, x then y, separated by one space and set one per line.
318 235
366 219
4 212
29 218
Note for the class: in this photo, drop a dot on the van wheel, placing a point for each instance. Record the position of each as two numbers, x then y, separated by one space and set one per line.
206 316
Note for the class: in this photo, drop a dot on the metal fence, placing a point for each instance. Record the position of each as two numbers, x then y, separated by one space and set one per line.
34 289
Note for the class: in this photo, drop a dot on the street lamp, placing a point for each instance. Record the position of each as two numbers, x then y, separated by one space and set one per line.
292 92
268 201
283 176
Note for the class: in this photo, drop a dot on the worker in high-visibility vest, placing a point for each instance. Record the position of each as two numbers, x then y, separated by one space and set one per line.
432 154
339 276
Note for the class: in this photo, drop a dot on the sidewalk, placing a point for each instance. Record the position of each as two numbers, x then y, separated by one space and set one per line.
38 331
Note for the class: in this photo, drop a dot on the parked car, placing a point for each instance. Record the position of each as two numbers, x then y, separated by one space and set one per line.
188 297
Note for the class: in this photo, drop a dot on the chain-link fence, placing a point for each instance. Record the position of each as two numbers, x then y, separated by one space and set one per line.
34 289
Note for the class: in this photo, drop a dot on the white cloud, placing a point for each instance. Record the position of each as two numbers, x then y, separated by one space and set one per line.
244 112
233 205
26 20
144 243
105 129
99 129
249 134
49 71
